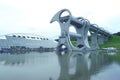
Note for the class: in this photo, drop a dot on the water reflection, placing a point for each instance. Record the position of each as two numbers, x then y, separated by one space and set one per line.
81 65
23 58
29 66
58 66
15 59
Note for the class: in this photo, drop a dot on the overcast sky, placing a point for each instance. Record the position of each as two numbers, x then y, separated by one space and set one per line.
33 16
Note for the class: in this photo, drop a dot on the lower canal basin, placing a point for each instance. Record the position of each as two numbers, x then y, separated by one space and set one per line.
56 66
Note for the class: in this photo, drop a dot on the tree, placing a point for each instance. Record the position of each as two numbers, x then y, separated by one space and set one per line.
118 34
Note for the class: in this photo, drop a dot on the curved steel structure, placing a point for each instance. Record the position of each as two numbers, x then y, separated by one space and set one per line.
82 26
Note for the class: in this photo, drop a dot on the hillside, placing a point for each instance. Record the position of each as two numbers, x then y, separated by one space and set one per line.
113 42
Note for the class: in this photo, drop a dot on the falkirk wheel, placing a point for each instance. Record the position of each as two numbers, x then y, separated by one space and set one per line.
81 25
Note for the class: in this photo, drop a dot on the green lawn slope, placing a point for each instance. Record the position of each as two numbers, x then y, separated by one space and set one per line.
114 41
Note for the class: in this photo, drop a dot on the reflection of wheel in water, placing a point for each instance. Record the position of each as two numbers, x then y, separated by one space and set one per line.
62 49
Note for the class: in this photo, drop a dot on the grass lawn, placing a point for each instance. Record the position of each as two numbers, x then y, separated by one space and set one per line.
113 42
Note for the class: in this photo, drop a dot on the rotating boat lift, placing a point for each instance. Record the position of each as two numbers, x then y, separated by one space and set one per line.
82 26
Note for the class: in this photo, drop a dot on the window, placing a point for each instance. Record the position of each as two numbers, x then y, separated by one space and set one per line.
28 37
19 36
14 35
23 36
33 37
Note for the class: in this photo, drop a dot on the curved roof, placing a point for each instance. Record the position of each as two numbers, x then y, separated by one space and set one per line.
24 35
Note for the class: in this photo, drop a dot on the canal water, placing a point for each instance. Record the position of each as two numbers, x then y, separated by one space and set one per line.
58 66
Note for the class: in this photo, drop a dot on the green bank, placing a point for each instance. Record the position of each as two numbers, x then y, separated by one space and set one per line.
114 41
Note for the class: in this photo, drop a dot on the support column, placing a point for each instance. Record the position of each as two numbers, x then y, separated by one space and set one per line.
100 39
105 38
94 43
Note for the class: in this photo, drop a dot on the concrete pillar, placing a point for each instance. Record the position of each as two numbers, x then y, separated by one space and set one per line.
105 38
100 39
83 40
94 42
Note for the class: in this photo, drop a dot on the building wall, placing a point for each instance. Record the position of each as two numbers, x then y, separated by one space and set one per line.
31 43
